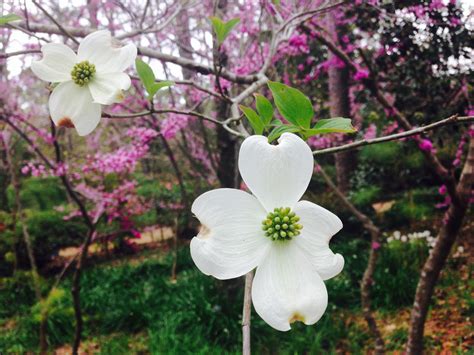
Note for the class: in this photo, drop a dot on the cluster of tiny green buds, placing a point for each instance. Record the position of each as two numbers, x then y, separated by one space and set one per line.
82 73
281 224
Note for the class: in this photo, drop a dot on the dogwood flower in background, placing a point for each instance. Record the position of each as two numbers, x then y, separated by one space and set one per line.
287 240
91 78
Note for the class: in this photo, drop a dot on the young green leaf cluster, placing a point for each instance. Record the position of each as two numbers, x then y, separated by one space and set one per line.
222 29
294 107
147 77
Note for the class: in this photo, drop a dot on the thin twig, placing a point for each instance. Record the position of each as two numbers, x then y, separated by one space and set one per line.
305 15
445 122
51 17
13 54
225 124
145 51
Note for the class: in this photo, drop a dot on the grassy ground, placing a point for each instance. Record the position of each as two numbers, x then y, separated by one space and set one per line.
131 306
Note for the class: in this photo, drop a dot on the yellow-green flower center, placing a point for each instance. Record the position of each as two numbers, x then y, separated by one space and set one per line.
281 224
82 73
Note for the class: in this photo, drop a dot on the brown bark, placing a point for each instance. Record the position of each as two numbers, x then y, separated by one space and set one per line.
227 144
227 171
339 106
185 42
436 260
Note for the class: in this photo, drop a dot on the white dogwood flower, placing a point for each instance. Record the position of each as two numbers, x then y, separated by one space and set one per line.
91 78
287 240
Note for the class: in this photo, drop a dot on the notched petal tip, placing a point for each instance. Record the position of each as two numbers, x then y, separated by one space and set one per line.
297 317
65 122
204 232
119 96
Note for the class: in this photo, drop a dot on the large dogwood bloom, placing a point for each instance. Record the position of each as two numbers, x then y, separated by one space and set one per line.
286 239
91 78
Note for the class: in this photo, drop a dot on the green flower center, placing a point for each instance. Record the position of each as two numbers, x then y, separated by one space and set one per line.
281 224
82 73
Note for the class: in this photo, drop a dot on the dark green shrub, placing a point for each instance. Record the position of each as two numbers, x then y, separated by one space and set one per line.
49 233
16 294
39 193
416 205
397 273
385 154
366 196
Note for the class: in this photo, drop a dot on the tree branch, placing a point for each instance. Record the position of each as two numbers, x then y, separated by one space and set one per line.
60 27
455 119
148 52
225 124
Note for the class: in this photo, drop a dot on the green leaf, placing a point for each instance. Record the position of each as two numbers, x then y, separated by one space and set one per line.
9 18
331 125
147 77
155 87
254 119
145 73
222 29
279 130
264 108
292 104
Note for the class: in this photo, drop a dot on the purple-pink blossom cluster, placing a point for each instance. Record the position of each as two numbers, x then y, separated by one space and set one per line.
125 158
172 124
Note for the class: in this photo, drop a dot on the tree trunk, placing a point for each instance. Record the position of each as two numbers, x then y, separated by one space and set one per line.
339 105
437 259
227 171
227 144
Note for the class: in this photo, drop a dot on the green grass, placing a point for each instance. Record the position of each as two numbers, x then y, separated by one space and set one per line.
136 299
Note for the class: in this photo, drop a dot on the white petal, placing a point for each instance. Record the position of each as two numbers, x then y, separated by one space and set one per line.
231 242
57 63
107 89
286 288
99 49
277 174
70 104
319 225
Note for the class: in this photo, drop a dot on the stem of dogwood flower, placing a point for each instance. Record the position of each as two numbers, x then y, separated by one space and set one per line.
246 313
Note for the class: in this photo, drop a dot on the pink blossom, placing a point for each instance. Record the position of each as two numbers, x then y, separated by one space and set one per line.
375 245
442 190
361 74
445 203
25 170
455 21
370 132
426 145
436 5
173 124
